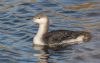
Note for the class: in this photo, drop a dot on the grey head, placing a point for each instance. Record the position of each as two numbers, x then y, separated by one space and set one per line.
40 18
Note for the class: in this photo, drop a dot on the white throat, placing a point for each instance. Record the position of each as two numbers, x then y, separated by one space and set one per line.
38 39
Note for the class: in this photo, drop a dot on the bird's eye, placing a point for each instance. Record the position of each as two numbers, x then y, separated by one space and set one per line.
38 17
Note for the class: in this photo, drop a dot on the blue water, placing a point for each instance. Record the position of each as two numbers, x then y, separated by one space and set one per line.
17 30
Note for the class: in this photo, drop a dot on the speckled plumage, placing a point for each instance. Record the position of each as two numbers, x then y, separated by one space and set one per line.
54 38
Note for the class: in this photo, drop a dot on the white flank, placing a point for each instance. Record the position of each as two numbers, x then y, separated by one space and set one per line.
78 40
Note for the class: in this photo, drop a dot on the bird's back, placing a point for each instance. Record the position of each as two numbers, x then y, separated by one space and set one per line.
56 38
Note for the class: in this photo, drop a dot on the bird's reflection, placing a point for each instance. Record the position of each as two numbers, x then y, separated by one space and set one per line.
41 53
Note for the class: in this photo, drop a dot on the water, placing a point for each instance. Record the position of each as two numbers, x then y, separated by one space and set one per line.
17 30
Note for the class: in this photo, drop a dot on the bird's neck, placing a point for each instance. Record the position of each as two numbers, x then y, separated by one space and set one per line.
42 30
38 39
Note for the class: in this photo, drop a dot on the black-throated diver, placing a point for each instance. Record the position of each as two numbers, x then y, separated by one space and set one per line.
57 38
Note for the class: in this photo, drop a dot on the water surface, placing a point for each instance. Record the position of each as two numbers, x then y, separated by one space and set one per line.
17 30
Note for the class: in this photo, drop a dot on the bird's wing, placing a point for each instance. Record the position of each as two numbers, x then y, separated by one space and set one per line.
59 35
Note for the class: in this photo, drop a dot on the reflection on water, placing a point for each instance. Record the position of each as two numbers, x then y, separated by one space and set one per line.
45 55
17 30
42 53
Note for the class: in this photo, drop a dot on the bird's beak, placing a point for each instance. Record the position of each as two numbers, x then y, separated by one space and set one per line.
33 18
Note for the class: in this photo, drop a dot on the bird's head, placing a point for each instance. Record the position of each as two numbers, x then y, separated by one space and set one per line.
40 19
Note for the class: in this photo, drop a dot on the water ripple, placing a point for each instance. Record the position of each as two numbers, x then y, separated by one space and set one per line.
17 30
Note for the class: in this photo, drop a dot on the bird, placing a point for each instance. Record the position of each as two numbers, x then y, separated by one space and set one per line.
56 38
